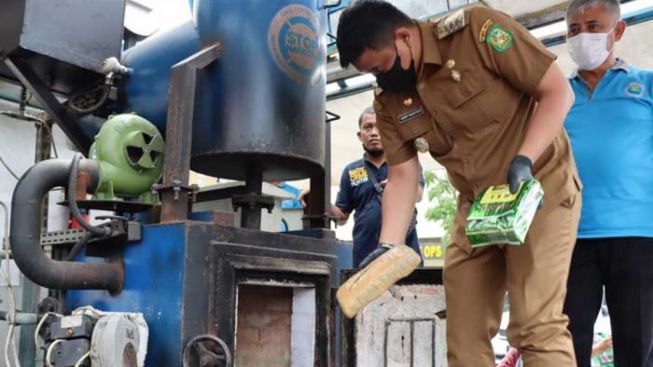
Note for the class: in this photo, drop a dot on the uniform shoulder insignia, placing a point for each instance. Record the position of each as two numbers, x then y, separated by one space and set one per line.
501 39
482 35
451 23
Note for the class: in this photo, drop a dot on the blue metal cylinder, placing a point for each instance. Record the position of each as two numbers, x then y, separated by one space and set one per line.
262 103
146 88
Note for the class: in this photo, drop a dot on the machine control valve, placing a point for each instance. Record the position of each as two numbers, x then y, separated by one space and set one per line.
90 337
70 327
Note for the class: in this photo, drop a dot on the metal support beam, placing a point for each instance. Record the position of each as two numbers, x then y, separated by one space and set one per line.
181 103
251 214
327 175
317 217
544 16
336 73
319 201
65 119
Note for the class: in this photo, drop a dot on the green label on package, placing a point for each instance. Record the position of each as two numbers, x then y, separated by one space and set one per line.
499 217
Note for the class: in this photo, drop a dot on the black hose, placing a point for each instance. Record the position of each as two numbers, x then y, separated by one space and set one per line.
72 201
25 232
11 172
106 90
78 246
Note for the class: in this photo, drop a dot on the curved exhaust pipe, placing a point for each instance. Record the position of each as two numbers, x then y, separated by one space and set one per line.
25 234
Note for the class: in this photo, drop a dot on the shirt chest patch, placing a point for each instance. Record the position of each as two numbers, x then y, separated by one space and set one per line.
358 176
635 90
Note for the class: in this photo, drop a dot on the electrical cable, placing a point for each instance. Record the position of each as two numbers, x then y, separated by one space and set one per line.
12 302
31 118
78 246
72 201
11 172
22 115
40 324
88 311
10 335
25 97
15 350
38 328
106 90
79 362
48 354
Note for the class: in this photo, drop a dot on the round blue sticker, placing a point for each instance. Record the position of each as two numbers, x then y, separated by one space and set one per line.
635 89
295 43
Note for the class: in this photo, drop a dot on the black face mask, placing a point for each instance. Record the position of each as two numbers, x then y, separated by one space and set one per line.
397 79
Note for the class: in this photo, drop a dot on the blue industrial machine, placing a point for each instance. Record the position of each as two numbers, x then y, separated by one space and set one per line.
239 93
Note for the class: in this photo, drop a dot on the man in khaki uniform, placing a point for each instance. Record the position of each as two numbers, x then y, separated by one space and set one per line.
486 99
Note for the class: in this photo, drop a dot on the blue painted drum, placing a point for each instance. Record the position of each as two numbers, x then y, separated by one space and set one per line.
146 89
262 103
268 96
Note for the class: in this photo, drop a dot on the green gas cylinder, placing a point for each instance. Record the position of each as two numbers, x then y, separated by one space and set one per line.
129 150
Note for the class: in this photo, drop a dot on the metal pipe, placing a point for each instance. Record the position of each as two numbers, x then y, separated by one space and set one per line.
72 198
26 232
20 318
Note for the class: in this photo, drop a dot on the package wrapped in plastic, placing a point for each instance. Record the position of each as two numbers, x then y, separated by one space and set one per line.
376 278
500 217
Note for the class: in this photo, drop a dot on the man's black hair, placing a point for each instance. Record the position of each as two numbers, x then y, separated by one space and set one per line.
366 111
367 24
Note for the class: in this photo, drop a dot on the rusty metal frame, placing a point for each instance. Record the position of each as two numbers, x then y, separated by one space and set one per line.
175 192
236 264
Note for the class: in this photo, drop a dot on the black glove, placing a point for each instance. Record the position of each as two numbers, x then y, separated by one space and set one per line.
521 169
382 249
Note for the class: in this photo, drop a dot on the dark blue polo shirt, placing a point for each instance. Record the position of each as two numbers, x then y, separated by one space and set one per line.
357 194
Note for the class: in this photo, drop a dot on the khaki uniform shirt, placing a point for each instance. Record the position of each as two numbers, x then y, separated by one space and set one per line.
472 104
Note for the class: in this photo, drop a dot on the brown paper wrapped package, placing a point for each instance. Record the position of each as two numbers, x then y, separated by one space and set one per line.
370 283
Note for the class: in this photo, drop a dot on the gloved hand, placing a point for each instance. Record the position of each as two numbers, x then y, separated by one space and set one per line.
382 249
521 169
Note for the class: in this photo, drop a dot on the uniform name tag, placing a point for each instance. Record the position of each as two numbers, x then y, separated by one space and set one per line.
411 115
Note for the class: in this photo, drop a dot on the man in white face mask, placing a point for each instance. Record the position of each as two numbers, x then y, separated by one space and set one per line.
611 132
